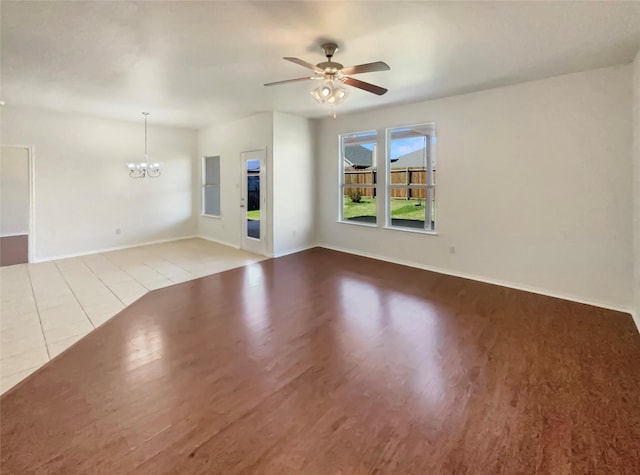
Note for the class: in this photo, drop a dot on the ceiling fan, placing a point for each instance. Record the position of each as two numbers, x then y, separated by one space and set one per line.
332 73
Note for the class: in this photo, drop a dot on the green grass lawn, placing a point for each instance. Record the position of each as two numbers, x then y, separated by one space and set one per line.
400 209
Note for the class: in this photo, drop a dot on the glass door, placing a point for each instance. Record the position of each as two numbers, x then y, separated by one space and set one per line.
253 201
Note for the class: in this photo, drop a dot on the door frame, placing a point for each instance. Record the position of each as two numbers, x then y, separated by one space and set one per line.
247 243
32 198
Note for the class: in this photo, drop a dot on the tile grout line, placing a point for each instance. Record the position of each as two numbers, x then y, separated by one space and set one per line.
160 272
103 282
193 276
35 301
163 259
124 270
190 272
180 267
132 276
74 294
166 276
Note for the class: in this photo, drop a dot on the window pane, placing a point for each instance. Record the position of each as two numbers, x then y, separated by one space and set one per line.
212 200
409 152
408 210
253 199
212 170
359 205
358 163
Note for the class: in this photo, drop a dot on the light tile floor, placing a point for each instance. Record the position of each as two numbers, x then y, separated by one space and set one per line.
47 307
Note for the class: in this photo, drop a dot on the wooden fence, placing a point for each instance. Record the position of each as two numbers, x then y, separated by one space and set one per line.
399 176
360 177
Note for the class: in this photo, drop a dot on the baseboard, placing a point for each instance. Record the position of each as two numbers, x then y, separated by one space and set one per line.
296 249
487 280
218 241
115 248
267 254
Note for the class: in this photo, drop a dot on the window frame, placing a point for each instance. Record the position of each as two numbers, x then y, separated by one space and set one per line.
341 173
206 185
429 187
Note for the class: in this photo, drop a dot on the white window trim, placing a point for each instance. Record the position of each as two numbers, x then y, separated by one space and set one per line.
211 216
410 230
383 187
388 186
203 172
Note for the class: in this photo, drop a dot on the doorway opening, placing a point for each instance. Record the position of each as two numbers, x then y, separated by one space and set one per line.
15 203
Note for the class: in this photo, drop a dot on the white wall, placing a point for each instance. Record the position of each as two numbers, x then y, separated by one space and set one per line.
81 183
289 141
14 191
228 140
636 183
534 186
294 183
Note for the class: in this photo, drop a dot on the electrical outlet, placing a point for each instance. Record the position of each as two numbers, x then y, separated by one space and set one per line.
452 250
118 231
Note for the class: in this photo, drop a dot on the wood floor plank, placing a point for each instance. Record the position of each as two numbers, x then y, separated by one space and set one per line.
327 363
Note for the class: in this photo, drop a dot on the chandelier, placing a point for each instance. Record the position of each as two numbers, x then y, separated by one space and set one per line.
144 168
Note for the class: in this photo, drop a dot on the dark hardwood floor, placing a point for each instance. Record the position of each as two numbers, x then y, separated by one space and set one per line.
14 250
324 363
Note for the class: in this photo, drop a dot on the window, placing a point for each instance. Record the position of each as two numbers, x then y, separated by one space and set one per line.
211 186
411 177
358 175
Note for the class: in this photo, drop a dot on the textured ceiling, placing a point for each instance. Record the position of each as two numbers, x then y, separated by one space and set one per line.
197 63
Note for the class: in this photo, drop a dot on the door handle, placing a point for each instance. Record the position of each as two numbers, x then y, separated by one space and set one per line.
242 206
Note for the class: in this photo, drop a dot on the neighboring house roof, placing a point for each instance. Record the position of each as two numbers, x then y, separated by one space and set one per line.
357 156
412 159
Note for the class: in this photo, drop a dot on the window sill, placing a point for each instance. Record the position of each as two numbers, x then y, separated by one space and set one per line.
210 216
410 230
356 223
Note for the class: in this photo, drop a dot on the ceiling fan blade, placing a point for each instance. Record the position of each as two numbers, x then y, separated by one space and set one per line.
287 80
365 86
366 68
303 63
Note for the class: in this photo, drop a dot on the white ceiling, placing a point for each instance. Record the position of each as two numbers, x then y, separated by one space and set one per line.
197 63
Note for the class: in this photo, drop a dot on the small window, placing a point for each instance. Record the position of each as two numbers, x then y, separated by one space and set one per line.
211 186
411 177
359 178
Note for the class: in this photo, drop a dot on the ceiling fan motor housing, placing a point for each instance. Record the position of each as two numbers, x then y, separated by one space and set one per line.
329 49
330 68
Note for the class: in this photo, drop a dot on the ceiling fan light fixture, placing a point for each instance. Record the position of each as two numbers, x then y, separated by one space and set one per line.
329 94
340 93
321 93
